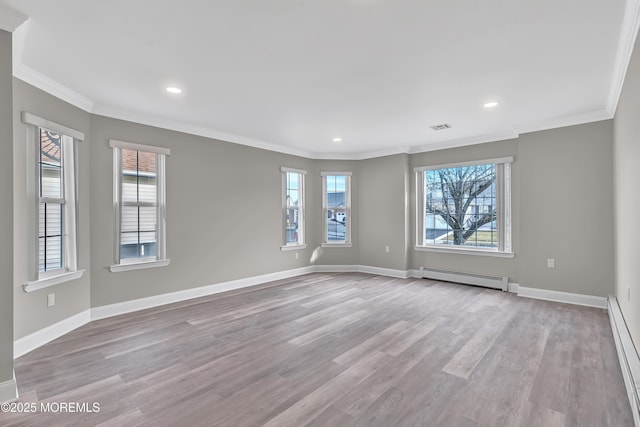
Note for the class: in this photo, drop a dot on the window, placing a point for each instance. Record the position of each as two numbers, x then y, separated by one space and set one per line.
139 202
52 146
336 208
293 194
465 206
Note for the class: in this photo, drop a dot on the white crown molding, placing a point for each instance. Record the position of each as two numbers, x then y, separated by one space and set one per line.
150 120
461 142
559 122
56 89
10 20
39 338
46 84
628 35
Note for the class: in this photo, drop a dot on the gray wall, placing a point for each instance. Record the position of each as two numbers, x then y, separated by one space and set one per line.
224 212
562 207
627 197
383 220
566 209
6 211
224 204
31 312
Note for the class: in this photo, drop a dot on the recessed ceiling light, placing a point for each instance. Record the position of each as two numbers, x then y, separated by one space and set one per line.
337 139
491 104
173 89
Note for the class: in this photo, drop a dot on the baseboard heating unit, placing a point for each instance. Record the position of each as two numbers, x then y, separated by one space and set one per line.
629 360
496 282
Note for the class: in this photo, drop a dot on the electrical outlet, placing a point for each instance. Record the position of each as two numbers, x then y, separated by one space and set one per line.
51 300
628 294
551 263
386 249
297 255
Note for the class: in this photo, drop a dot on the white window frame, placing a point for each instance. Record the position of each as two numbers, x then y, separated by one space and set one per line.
503 207
160 259
300 244
69 139
325 223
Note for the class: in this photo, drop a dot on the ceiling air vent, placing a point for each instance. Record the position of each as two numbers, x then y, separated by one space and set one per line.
441 127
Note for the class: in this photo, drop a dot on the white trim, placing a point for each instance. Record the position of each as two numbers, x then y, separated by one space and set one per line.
52 87
293 170
629 360
336 245
335 173
32 119
10 20
116 309
497 282
560 122
30 342
191 129
114 143
464 251
9 390
287 248
381 271
496 161
628 35
39 338
117 268
503 135
558 296
36 285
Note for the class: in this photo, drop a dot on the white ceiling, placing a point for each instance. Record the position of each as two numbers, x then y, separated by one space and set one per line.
291 75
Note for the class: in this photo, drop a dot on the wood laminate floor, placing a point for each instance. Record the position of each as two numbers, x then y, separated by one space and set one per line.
334 350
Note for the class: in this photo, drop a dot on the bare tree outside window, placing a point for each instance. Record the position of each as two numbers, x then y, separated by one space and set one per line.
461 206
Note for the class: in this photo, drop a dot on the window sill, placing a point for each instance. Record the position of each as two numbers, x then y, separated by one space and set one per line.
292 247
139 265
52 281
465 251
336 245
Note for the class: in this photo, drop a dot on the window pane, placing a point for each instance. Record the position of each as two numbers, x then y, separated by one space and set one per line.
292 198
460 206
49 236
336 225
147 218
129 188
291 225
147 188
129 221
53 253
293 181
50 164
336 193
139 180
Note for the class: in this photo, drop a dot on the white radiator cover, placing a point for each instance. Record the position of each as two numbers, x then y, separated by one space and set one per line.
496 282
629 360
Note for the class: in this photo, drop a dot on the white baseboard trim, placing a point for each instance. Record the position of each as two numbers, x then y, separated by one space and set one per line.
8 390
380 271
39 338
629 360
30 342
389 272
557 296
117 309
